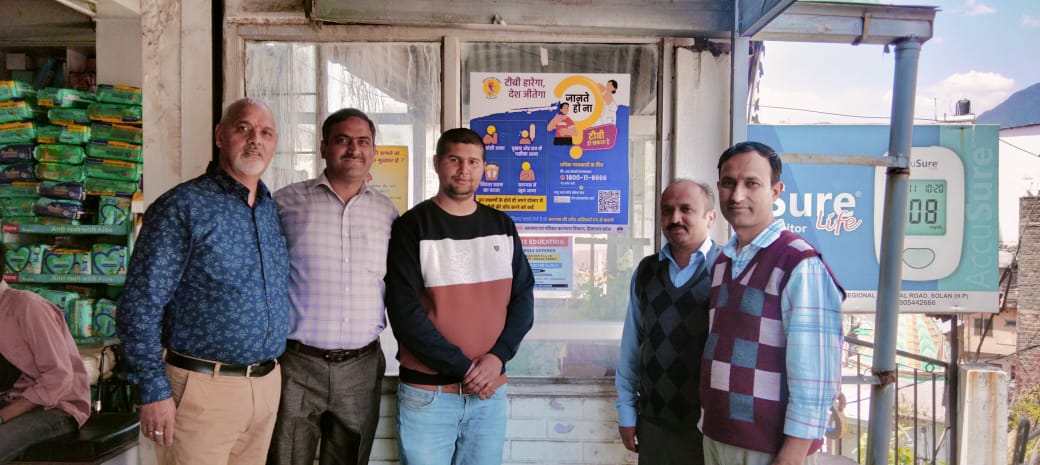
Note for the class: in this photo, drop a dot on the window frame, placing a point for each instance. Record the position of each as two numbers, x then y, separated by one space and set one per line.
451 41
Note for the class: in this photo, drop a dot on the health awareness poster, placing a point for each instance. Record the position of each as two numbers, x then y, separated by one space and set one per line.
556 149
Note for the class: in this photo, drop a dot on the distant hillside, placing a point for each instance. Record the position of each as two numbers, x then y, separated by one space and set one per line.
1020 109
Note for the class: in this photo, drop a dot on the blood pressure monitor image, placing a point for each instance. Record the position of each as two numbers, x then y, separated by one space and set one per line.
934 217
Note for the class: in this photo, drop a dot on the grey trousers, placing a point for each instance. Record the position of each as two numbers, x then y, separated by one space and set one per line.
663 446
335 404
36 426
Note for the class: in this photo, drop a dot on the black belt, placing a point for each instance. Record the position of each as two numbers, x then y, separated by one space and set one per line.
255 370
330 355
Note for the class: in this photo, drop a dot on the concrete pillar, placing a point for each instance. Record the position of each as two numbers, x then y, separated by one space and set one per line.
982 426
701 129
178 121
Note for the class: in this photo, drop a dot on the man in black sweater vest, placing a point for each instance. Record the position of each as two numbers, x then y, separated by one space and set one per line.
665 330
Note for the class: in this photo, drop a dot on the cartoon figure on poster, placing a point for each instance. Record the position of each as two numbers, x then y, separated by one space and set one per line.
563 125
574 176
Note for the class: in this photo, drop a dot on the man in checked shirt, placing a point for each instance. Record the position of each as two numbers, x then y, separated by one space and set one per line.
771 364
337 229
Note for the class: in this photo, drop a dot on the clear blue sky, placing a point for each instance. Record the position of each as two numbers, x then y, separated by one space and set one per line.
982 50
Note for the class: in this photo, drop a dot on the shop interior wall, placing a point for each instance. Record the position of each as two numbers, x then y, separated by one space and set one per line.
177 61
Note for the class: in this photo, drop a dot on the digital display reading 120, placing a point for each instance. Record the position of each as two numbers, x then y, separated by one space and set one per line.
926 211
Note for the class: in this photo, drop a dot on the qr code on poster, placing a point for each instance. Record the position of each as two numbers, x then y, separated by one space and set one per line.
608 201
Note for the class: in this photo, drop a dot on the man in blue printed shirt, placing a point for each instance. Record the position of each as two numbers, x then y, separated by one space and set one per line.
209 283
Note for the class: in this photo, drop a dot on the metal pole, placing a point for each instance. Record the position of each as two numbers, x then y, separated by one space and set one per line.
953 376
886 320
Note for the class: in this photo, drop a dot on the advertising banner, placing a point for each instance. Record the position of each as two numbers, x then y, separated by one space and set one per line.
950 245
551 263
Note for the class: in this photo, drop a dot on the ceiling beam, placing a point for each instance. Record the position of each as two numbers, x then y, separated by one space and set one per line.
848 23
683 18
86 7
756 14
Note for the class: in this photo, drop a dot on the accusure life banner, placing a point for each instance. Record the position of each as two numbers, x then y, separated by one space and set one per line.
950 251
556 149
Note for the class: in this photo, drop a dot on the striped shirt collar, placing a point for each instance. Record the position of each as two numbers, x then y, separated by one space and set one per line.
323 180
666 251
764 238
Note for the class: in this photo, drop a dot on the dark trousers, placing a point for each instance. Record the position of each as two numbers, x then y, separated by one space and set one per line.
335 404
659 445
30 428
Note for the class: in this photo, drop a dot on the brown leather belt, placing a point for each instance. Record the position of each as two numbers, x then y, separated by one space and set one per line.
455 388
330 355
255 370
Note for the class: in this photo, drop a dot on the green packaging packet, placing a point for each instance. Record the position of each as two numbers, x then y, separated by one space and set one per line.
18 189
21 220
105 318
27 258
81 320
116 170
109 187
114 150
60 172
108 259
113 209
16 89
64 300
16 110
54 134
60 153
112 93
114 113
22 132
67 116
18 206
52 97
56 220
66 261
119 132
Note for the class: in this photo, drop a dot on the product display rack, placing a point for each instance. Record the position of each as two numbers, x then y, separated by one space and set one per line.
124 231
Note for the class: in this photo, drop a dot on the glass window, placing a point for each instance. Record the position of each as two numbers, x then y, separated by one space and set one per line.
979 326
577 332
396 84
284 75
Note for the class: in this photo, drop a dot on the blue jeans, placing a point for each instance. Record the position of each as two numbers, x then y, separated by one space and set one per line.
437 428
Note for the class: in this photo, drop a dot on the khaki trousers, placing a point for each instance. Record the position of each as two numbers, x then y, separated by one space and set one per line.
717 453
221 419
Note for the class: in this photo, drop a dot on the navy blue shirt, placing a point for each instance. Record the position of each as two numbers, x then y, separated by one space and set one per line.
208 278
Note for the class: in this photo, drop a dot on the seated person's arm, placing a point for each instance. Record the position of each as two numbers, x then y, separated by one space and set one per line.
17 408
53 353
